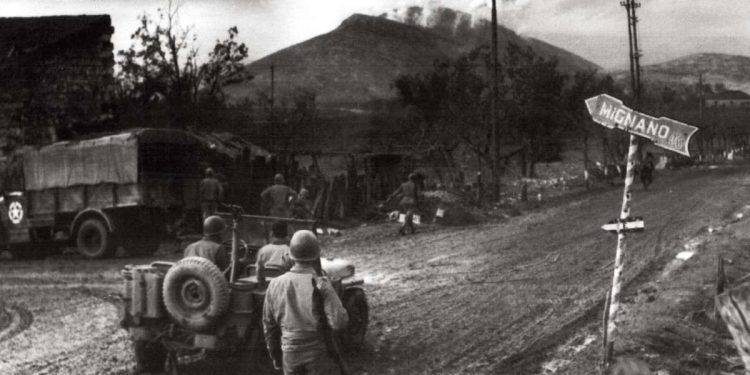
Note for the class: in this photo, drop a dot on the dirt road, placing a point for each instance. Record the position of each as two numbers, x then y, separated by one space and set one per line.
474 300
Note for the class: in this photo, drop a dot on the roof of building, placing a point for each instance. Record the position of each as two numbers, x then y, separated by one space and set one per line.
28 34
730 95
232 145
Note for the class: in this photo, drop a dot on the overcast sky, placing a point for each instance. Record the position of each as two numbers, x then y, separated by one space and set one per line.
594 29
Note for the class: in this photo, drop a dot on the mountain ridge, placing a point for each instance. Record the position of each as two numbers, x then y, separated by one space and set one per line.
732 71
358 61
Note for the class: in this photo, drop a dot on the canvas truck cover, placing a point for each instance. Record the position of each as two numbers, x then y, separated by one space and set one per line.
110 159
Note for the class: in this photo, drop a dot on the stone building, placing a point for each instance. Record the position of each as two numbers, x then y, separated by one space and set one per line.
729 99
56 78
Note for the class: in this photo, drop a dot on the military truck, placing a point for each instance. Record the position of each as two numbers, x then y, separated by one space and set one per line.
191 305
97 194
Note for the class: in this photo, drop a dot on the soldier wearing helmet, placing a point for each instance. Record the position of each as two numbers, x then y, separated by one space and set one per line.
209 246
302 206
211 193
409 194
277 198
273 259
290 323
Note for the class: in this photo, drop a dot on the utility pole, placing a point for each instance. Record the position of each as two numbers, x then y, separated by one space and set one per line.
633 85
700 111
635 52
273 83
495 134
614 295
271 99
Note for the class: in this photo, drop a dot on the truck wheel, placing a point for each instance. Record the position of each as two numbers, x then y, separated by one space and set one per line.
150 357
94 240
355 304
196 293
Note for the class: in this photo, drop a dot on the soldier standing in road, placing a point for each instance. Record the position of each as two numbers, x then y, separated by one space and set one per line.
273 259
409 193
211 193
291 325
209 246
276 198
647 170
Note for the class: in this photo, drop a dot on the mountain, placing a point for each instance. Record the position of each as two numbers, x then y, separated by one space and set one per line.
357 62
472 30
732 71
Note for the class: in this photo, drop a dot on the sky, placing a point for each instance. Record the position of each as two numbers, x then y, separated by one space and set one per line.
594 29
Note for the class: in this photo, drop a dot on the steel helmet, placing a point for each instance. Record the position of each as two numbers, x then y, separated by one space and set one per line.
304 246
304 193
278 229
213 225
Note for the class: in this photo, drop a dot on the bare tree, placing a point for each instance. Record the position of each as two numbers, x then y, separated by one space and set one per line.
160 72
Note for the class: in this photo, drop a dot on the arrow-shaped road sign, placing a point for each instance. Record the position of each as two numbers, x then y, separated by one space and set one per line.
631 224
664 132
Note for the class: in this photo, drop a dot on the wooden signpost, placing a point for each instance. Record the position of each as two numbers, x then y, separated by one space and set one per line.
666 133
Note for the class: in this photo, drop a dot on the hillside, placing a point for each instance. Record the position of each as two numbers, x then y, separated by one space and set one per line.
357 62
730 70
475 31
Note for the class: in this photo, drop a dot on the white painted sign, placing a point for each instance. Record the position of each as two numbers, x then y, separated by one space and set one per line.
664 132
633 224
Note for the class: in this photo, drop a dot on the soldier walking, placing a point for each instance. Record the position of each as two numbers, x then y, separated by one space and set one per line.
409 193
647 170
276 198
291 319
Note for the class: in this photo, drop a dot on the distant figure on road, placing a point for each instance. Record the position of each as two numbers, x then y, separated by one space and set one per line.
276 198
211 193
647 170
209 246
409 193
273 259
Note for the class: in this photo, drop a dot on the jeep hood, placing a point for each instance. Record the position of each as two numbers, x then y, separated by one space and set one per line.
337 269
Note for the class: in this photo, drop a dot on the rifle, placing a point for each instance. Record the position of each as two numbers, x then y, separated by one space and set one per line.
332 344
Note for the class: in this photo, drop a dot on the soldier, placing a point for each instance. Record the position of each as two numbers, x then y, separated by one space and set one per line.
277 196
647 170
209 246
302 206
291 324
211 193
273 259
409 193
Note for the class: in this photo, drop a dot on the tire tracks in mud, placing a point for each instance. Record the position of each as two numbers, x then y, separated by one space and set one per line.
520 287
92 356
533 353
528 358
75 360
14 319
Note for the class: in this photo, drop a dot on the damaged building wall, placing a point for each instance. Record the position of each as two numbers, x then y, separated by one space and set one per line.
341 184
56 78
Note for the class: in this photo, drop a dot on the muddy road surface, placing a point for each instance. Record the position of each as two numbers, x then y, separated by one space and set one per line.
483 299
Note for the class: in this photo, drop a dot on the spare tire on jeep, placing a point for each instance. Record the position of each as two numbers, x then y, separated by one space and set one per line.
196 293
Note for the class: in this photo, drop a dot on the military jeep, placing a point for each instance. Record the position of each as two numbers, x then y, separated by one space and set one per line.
191 305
